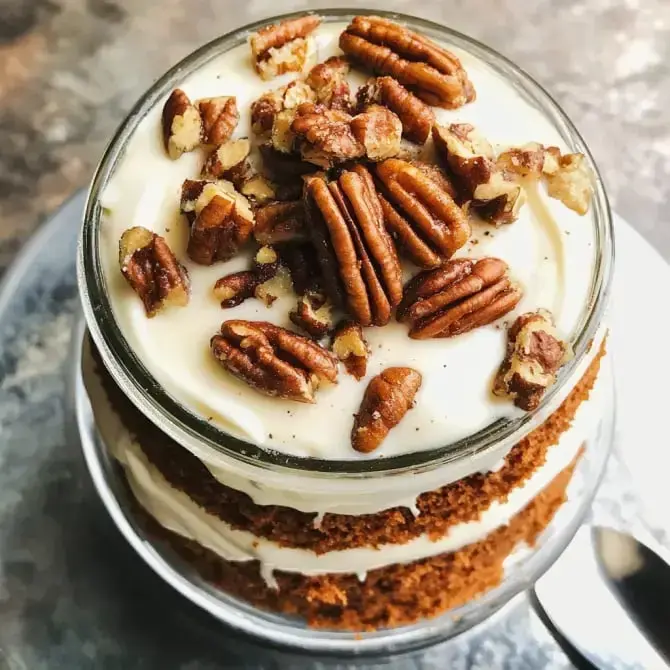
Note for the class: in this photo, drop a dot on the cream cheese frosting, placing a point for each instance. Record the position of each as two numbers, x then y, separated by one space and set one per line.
175 511
455 399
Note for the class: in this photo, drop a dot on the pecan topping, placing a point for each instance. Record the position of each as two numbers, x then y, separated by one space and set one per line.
273 360
571 182
470 158
350 347
525 161
387 399
280 222
229 161
313 314
284 168
219 118
359 262
301 262
273 279
329 82
420 213
152 270
416 117
459 296
282 47
258 189
434 74
325 135
264 110
282 138
378 130
534 355
182 125
222 220
235 288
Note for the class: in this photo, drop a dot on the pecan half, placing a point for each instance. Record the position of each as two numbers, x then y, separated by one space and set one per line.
222 220
152 270
313 314
416 117
273 360
350 346
329 82
379 130
326 135
182 125
282 47
534 355
434 74
265 109
420 213
470 158
388 397
358 260
571 183
459 296
219 118
228 161
280 222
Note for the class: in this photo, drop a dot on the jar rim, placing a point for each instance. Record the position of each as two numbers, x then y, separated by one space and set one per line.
195 432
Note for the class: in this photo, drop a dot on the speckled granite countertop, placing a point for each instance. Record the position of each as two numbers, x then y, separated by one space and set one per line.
70 69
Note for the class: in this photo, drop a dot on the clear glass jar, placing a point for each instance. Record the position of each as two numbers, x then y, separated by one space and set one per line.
348 478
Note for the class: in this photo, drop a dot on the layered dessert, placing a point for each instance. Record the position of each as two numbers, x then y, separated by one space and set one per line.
346 243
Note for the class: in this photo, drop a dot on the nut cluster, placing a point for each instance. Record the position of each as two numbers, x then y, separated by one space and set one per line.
341 193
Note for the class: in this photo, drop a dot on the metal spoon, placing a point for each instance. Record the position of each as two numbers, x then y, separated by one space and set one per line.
607 601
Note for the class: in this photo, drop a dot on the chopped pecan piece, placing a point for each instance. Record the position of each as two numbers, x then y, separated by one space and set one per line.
284 168
434 74
235 288
420 213
329 82
273 279
273 360
325 135
359 263
387 399
152 270
282 47
301 262
264 110
379 130
350 347
258 189
571 183
416 117
313 314
524 161
470 158
182 125
228 161
222 221
283 138
219 118
459 296
534 355
280 222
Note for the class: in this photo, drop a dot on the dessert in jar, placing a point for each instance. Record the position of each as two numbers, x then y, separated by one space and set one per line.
345 255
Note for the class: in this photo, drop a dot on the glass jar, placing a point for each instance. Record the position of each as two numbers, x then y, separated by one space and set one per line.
341 478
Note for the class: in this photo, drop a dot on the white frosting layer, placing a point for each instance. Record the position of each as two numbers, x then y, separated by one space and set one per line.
177 512
455 398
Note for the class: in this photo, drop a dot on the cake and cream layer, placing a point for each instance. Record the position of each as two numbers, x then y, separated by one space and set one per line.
455 399
177 512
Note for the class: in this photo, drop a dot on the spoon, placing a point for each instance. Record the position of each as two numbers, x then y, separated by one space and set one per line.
606 601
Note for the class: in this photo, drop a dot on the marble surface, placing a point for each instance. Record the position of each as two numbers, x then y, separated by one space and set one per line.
70 69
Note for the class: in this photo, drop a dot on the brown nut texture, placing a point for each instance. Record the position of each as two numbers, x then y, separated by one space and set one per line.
459 296
388 397
424 219
313 313
300 259
282 47
182 125
233 289
379 131
416 117
280 222
152 270
351 348
534 355
361 270
434 74
571 183
329 82
265 109
229 161
272 360
219 118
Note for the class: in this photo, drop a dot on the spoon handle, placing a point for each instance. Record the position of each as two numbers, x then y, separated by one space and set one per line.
575 656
